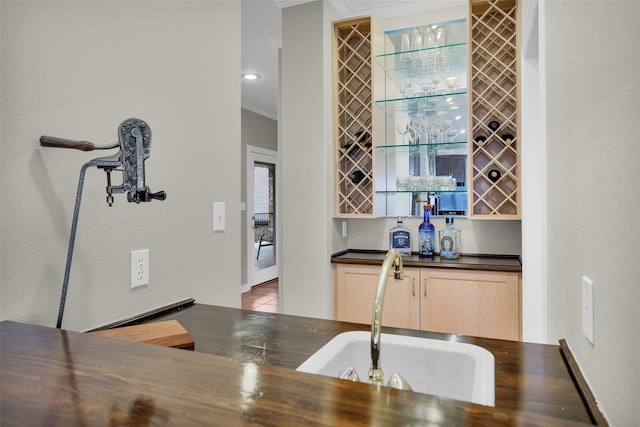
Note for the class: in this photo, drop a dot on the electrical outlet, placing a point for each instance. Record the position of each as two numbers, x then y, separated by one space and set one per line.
139 268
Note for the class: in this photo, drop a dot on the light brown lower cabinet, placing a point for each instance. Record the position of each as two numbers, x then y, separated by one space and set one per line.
468 302
355 290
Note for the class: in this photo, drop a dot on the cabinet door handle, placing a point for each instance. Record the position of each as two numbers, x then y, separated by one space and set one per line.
413 287
425 288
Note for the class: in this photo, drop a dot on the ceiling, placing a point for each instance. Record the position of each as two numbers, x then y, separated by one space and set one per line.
262 37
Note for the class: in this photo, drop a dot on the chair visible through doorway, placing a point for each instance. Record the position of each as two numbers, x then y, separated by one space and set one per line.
263 230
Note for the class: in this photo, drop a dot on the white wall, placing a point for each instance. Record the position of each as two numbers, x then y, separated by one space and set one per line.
478 237
593 106
533 158
306 161
76 70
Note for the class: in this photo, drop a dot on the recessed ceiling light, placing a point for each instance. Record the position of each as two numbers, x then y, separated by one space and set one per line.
250 76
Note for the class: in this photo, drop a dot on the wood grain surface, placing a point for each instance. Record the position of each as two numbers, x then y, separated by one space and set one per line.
169 333
242 374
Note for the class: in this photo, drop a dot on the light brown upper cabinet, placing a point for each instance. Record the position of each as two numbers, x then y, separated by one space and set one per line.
353 52
406 117
494 109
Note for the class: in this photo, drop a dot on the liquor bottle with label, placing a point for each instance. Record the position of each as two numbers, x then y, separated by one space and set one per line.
426 234
449 241
400 238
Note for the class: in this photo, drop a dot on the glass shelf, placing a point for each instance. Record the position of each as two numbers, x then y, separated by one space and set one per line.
426 49
456 95
423 96
426 190
454 147
418 60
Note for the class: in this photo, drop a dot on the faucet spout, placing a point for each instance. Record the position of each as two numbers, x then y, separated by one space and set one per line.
392 259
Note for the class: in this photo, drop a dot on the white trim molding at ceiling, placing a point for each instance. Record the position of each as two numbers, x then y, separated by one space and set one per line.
281 4
379 8
386 9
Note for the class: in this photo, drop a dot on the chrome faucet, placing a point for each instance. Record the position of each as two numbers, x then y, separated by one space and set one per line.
376 376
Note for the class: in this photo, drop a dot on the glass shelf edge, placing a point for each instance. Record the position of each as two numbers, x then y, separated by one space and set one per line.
419 191
419 147
418 98
426 49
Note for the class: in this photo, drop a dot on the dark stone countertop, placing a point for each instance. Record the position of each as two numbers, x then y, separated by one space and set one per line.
509 263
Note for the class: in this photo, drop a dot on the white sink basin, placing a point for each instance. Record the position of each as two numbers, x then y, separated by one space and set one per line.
455 370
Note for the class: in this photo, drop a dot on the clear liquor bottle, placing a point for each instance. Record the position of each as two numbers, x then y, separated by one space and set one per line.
400 238
449 241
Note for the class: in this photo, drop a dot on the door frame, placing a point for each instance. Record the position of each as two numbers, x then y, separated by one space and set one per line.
264 155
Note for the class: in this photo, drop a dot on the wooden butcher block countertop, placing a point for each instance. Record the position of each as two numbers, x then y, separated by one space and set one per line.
242 373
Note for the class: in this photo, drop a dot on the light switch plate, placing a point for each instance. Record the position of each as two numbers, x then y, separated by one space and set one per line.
218 216
587 308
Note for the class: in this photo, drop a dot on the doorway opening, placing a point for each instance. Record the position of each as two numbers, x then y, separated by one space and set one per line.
262 216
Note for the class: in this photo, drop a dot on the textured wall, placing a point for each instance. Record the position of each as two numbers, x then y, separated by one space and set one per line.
76 70
305 160
478 237
593 64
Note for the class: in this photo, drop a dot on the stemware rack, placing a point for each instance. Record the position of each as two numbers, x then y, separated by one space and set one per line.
365 184
424 100
494 94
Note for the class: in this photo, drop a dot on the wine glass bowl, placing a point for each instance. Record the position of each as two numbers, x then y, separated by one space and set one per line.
402 128
452 83
451 133
435 82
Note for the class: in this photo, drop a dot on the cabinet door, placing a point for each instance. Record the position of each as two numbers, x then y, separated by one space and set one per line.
477 303
355 290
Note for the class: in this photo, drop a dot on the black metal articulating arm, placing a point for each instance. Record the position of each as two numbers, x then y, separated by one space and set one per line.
135 144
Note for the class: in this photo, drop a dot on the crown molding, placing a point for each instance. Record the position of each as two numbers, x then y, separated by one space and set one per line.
379 8
281 4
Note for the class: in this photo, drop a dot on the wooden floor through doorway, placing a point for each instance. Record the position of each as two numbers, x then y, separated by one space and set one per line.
263 297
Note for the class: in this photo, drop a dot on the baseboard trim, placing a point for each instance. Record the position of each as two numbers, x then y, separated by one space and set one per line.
245 288
589 399
148 315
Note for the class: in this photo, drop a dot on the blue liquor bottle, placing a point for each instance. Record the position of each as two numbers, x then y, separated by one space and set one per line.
426 234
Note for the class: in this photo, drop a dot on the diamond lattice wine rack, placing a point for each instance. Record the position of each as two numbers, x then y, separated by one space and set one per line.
494 110
353 118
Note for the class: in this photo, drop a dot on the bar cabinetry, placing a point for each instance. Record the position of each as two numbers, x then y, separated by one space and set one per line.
495 116
423 156
353 44
467 302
